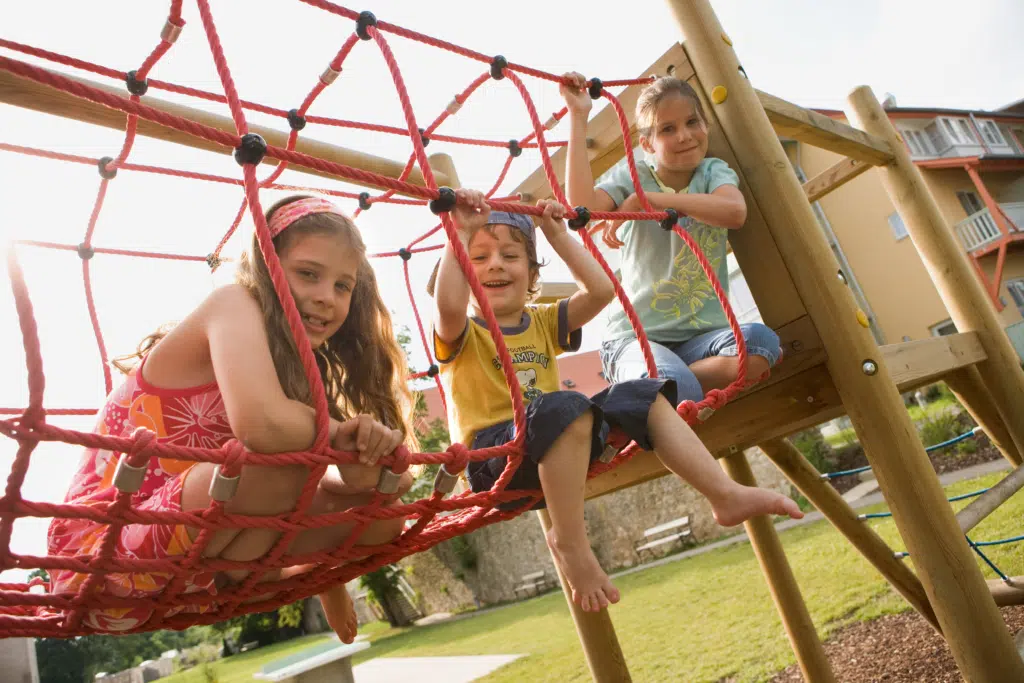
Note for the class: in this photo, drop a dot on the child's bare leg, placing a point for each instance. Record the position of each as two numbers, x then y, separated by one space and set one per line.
718 372
683 453
563 475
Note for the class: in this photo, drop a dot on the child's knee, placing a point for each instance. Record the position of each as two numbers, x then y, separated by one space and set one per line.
582 426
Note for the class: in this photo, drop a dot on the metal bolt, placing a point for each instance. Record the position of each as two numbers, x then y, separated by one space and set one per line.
842 277
810 399
797 345
869 367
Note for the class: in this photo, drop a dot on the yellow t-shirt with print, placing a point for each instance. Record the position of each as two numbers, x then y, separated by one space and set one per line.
471 373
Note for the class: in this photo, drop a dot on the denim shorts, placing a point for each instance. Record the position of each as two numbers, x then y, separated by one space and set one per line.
624 405
623 359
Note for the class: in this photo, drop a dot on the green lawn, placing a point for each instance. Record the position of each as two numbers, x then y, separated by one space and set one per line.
701 619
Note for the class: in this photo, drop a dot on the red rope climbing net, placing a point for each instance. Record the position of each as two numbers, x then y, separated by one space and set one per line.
30 609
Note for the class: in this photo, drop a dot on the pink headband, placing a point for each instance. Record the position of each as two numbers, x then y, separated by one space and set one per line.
289 213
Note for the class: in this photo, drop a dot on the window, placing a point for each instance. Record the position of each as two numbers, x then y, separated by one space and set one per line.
1016 290
943 329
951 130
899 230
936 137
922 142
965 130
990 131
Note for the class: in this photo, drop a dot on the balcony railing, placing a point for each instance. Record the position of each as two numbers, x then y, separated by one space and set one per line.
980 229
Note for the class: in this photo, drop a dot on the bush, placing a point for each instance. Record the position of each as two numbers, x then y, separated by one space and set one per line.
939 427
813 446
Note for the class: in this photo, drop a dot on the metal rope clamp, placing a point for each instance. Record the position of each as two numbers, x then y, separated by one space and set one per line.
127 477
388 481
223 489
445 481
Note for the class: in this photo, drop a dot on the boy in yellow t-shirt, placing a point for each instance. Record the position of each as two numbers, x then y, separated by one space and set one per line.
565 430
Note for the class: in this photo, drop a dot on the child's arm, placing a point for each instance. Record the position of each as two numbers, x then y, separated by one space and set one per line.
595 289
261 416
723 208
579 179
451 289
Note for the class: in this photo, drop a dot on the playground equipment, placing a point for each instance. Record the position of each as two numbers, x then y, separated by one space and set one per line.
832 364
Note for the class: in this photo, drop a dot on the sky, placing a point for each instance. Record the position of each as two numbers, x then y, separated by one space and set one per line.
928 53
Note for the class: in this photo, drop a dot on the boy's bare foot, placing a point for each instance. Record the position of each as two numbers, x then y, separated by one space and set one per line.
741 503
591 588
340 612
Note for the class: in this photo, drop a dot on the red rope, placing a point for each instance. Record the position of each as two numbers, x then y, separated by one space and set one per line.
23 613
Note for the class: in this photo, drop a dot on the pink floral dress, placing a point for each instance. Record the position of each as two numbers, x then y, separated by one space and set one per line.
184 417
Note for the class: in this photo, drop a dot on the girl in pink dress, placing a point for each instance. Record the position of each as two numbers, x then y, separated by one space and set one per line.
231 370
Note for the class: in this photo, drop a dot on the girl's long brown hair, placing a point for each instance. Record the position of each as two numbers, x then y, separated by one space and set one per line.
362 366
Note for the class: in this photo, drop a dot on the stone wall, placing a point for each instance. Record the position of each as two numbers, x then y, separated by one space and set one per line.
506 551
18 660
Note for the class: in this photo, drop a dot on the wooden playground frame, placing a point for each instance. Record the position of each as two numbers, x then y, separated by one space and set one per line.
832 364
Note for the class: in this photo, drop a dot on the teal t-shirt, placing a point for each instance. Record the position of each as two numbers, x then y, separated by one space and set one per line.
662 278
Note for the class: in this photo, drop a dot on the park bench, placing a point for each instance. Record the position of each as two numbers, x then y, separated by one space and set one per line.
669 532
534 583
329 662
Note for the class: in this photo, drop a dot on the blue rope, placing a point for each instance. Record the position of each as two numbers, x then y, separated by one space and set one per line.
929 449
1001 541
963 496
989 562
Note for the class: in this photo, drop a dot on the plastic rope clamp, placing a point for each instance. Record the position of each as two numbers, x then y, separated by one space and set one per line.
364 201
251 149
405 254
135 86
445 201
85 252
296 120
609 453
223 489
106 173
127 478
388 481
669 222
498 65
454 106
581 219
514 149
433 370
595 88
329 75
445 481
170 32
705 413
365 21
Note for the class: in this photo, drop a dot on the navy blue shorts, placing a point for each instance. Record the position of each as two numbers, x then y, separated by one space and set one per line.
624 405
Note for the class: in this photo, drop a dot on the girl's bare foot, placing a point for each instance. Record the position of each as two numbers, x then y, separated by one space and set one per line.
340 612
740 503
591 588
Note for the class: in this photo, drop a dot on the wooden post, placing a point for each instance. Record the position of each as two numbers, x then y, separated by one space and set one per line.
947 265
596 631
828 501
803 638
969 388
977 636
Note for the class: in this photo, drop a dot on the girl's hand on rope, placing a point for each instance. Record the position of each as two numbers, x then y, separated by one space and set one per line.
369 438
471 211
552 222
577 99
611 228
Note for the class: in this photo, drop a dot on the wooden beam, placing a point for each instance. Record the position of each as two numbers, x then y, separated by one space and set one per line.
793 121
827 500
604 131
550 292
833 178
948 266
917 363
26 93
803 638
1007 596
985 504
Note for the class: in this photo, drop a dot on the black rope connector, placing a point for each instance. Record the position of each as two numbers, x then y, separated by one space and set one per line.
296 120
85 252
251 150
135 86
595 88
365 21
433 371
445 201
582 218
405 254
498 65
106 173
514 149
423 137
364 201
213 261
669 221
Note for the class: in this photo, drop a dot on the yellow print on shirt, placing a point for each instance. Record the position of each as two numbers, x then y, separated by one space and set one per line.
689 288
524 354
